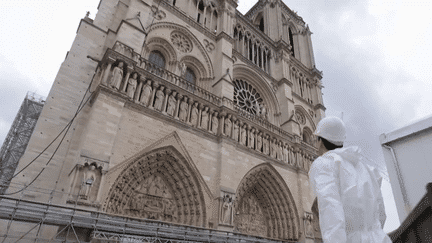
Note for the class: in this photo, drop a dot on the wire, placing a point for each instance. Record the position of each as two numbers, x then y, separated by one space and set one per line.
80 108
67 127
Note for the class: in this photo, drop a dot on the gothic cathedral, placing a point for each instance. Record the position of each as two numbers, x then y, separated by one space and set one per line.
187 113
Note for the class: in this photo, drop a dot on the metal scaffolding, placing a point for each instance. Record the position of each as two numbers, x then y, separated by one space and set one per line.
103 227
18 137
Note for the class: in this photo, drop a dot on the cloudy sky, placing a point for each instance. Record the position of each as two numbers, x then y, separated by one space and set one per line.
375 57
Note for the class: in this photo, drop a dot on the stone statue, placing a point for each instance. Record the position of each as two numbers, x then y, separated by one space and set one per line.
215 123
258 109
280 151
160 96
194 114
89 180
273 149
266 145
183 68
172 102
226 210
263 112
291 156
251 138
236 131
243 134
117 76
308 225
298 158
146 93
183 109
132 84
259 142
285 153
205 118
228 126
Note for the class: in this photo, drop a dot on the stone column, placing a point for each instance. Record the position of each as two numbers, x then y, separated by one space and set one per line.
200 108
107 70
211 21
253 52
262 59
204 16
155 86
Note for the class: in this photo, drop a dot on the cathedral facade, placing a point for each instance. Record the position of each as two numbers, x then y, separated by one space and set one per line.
186 112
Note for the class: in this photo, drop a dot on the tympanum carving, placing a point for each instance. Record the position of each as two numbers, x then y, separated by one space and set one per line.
250 218
159 185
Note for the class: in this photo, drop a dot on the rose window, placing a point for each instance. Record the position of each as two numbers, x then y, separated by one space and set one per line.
246 97
181 42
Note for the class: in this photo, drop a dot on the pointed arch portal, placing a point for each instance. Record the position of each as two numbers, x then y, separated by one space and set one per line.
159 185
265 206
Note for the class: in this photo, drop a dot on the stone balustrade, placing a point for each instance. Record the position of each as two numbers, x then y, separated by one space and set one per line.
162 91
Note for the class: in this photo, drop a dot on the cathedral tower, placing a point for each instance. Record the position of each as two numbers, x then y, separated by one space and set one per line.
182 114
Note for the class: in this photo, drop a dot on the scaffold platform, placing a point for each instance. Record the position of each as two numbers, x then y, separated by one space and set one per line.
111 228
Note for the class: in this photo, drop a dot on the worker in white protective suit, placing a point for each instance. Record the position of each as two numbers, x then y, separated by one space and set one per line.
351 207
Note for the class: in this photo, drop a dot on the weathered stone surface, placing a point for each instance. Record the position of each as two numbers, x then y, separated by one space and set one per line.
163 136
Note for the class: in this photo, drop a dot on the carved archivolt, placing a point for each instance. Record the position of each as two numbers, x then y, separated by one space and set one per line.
160 185
195 42
196 65
264 205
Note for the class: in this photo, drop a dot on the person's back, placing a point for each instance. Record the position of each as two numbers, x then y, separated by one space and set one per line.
350 204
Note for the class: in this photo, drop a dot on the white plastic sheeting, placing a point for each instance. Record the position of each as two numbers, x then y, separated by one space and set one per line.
351 207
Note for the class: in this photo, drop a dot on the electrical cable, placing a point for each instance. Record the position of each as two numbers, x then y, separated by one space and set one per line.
12 193
67 127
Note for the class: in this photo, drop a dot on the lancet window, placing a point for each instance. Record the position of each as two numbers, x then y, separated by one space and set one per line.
206 14
288 36
302 85
252 48
291 41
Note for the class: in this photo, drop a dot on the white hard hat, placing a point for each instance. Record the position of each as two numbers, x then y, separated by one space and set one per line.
332 129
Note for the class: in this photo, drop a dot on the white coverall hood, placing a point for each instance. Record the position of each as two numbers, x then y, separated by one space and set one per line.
351 208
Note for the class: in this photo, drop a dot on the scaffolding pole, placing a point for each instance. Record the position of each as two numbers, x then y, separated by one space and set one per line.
18 137
114 228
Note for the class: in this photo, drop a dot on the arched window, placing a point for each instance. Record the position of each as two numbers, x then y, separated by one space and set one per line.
307 136
157 58
200 11
291 41
190 76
